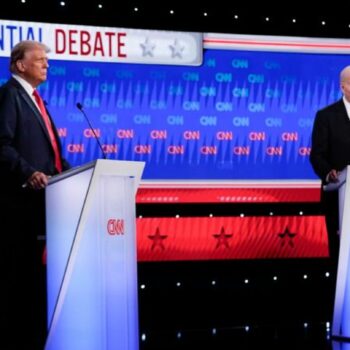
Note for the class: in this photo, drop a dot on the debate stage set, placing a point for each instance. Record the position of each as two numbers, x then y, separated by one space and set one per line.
192 216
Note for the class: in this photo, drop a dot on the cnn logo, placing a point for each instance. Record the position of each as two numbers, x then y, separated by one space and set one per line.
115 227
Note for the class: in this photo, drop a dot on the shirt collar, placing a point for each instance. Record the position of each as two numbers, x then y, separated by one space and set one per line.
26 86
347 106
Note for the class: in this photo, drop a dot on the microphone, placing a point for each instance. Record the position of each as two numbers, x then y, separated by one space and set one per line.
81 109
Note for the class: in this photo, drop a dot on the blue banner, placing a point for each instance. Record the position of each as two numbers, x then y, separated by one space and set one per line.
240 115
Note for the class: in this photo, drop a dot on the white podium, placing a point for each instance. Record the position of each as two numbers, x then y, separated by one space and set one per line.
91 257
341 313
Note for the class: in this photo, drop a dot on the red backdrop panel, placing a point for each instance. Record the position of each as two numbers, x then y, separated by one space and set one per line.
219 238
228 195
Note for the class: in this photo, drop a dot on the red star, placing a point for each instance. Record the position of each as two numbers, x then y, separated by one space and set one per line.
222 238
157 239
287 234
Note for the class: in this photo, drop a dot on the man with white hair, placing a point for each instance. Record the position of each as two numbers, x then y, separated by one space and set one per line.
330 153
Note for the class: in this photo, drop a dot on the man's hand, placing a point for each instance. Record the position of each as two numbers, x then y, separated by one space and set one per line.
37 181
332 176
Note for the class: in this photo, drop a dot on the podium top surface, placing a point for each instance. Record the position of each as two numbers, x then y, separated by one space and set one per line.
105 166
71 172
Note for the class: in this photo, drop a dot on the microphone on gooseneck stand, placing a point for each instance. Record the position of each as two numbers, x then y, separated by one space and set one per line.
81 109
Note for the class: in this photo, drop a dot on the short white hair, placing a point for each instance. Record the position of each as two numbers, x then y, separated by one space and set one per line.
345 74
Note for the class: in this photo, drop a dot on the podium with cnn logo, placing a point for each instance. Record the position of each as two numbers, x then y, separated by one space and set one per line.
341 312
91 257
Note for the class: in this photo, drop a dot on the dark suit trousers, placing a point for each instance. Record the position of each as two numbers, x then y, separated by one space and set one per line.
331 211
23 275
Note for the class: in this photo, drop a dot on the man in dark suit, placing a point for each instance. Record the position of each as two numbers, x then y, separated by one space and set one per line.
30 153
330 153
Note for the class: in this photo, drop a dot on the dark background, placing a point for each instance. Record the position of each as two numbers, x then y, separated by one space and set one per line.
196 304
189 16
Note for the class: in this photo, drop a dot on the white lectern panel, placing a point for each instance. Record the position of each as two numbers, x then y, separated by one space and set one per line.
93 295
341 316
341 313
340 345
66 200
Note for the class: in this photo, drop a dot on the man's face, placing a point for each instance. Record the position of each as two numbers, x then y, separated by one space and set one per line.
34 66
345 88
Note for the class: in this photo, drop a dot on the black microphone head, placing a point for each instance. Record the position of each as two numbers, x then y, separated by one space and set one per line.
80 107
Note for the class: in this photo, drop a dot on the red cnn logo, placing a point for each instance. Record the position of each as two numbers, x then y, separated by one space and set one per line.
115 227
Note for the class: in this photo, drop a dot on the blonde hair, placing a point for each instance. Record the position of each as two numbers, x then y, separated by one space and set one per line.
19 50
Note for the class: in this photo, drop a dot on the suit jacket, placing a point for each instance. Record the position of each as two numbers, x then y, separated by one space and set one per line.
25 145
330 148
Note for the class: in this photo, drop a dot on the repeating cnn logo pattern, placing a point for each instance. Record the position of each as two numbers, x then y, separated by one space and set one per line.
115 227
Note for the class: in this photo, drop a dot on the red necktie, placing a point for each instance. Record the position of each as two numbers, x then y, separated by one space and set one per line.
49 128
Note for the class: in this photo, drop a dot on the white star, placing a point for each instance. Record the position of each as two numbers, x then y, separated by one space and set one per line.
176 49
147 48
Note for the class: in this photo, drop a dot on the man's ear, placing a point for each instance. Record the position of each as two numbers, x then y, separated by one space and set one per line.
20 66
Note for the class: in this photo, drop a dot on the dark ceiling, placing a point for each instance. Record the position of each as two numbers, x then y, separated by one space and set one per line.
284 19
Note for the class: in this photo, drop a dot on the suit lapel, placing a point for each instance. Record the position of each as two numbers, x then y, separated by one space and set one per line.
341 110
33 108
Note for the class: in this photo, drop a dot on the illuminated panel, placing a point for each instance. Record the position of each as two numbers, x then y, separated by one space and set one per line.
241 115
62 229
220 238
92 277
235 192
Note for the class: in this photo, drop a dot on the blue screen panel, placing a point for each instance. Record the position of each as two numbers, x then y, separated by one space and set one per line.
240 115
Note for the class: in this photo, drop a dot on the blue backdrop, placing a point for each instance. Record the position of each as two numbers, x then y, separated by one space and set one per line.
241 115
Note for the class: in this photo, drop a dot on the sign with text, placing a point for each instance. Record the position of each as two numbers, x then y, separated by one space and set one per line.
102 44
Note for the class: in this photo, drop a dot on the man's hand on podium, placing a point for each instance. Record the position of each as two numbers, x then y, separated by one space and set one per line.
332 176
37 181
